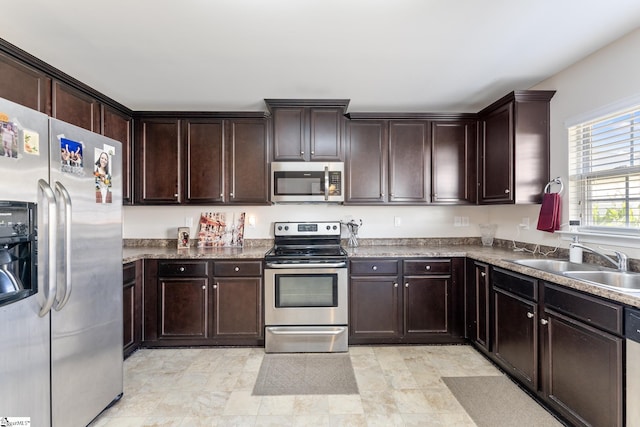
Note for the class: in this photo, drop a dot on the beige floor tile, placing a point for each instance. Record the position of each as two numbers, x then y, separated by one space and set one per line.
398 385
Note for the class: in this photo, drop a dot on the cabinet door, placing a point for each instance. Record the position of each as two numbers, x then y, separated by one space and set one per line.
24 85
409 162
516 336
132 306
72 106
497 156
248 171
183 307
453 164
238 308
481 305
203 161
157 161
117 125
366 161
374 311
426 305
583 371
325 133
289 139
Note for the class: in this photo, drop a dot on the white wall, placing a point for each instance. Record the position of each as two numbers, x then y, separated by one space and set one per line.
604 77
378 222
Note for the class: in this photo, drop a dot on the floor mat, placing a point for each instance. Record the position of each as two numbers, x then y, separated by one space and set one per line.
305 373
494 401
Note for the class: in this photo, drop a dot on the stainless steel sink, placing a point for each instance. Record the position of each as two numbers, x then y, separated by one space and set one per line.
618 280
557 266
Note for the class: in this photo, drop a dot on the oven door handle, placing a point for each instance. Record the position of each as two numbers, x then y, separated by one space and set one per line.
310 331
326 183
341 264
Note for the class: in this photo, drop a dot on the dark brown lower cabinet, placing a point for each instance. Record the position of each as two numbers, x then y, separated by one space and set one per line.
582 357
563 345
196 302
237 297
515 336
406 301
477 303
131 306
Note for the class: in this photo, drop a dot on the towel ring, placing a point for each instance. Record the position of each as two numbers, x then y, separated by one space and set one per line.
554 181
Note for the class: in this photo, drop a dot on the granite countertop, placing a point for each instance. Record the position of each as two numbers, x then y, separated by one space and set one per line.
498 256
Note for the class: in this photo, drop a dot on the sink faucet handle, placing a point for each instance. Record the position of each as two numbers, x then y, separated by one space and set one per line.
623 260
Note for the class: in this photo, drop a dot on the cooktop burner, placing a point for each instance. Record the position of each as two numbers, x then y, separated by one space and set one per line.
313 241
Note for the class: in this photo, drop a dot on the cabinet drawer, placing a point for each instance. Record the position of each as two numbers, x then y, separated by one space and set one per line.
237 268
426 266
129 272
524 286
593 311
183 269
374 267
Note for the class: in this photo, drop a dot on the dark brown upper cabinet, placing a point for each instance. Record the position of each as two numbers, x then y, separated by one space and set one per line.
307 130
24 85
202 160
157 161
453 162
514 148
73 106
119 126
388 161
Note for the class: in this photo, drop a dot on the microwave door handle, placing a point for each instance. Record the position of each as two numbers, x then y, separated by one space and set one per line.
326 183
48 209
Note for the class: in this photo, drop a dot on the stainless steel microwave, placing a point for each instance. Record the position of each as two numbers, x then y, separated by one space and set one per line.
307 182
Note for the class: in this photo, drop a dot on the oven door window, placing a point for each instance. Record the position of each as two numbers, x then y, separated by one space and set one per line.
313 290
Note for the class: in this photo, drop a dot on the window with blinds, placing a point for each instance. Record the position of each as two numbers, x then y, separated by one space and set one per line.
604 172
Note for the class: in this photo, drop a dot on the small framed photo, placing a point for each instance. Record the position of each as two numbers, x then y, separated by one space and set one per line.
184 240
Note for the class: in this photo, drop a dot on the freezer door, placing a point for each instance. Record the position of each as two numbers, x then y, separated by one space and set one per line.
24 365
86 322
27 133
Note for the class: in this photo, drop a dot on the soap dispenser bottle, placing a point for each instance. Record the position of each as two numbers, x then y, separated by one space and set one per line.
575 253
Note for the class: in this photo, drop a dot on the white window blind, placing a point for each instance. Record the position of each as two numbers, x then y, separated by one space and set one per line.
604 172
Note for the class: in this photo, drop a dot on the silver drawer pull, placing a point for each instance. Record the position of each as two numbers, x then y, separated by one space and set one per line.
428 267
181 269
544 321
374 268
529 315
236 269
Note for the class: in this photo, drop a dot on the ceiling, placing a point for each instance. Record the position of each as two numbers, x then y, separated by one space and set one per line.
384 55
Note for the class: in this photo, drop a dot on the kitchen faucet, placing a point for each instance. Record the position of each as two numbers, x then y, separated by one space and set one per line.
622 262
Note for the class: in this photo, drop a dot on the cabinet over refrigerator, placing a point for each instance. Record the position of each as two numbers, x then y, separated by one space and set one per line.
62 331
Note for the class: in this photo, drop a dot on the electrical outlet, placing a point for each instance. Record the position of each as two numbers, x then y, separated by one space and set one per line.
524 224
465 221
188 221
457 221
397 221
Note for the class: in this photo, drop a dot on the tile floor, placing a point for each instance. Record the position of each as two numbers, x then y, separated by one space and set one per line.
399 386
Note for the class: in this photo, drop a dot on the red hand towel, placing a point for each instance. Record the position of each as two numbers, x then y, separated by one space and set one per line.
549 219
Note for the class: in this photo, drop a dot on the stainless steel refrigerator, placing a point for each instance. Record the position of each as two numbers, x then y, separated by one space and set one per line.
61 362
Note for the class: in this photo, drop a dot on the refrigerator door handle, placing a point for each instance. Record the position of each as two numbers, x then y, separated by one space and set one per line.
49 214
65 290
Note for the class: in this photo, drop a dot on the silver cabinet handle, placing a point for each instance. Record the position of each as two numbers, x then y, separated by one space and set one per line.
507 191
312 153
47 245
428 267
175 195
204 287
215 286
395 285
529 315
221 195
181 269
374 268
544 321
302 153
483 274
236 269
65 292
406 285
231 195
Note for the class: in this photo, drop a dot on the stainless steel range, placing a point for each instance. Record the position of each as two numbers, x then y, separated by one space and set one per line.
306 295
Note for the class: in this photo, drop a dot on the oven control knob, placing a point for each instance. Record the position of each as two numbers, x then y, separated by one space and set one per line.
279 228
286 228
328 227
